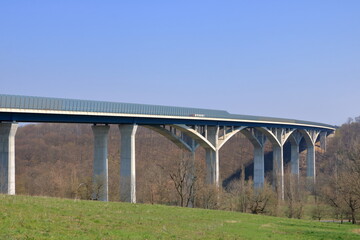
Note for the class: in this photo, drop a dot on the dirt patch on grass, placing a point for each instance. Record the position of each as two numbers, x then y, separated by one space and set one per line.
267 225
232 221
357 231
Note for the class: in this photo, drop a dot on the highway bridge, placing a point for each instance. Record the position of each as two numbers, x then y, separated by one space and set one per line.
188 128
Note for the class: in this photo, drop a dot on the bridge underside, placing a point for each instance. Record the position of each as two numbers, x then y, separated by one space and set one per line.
100 119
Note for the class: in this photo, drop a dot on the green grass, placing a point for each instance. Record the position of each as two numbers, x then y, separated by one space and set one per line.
23 217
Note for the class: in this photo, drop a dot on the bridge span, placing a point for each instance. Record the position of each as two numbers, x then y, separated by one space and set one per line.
188 128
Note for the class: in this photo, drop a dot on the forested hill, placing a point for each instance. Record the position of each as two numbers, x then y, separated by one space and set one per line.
55 159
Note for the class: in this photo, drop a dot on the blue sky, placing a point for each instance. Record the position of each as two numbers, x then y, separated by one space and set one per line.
291 59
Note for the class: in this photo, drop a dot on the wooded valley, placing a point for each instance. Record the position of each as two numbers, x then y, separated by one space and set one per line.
56 160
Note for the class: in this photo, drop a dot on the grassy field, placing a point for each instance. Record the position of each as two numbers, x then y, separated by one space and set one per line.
23 217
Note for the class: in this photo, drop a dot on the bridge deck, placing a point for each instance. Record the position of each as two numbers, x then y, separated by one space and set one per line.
43 109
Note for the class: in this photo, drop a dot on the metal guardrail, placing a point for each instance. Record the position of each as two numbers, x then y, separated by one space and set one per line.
59 104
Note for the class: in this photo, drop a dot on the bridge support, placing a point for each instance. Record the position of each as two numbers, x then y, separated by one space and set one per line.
310 162
278 137
259 170
191 142
278 170
127 163
7 158
295 139
295 156
310 137
212 156
100 167
323 140
212 159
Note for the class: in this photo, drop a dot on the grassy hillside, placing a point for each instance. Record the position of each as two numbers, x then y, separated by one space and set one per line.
23 217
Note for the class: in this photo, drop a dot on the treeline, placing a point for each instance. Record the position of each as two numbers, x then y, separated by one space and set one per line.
339 184
56 160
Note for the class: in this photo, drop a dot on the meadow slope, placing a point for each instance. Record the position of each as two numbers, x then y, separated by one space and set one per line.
24 217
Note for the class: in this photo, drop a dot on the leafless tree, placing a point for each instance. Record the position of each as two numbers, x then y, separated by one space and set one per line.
183 177
260 200
343 191
295 195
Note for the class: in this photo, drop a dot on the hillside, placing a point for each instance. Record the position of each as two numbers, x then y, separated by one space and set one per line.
53 159
24 217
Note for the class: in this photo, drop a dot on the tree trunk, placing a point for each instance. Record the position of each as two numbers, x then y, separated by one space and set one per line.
353 217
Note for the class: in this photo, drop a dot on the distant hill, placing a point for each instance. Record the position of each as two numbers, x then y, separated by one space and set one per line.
54 159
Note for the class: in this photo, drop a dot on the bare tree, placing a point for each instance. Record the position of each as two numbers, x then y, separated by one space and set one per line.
260 200
183 177
343 191
242 196
295 195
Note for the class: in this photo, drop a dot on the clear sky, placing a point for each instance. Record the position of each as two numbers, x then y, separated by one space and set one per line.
291 59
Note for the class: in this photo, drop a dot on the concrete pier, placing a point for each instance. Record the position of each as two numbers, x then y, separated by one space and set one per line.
323 141
295 156
100 167
295 140
191 142
278 170
127 163
7 157
258 141
212 156
212 159
310 163
259 170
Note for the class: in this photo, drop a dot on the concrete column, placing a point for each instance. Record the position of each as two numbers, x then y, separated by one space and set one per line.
100 167
259 166
7 158
192 172
323 140
127 163
278 170
295 156
212 156
212 163
310 162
